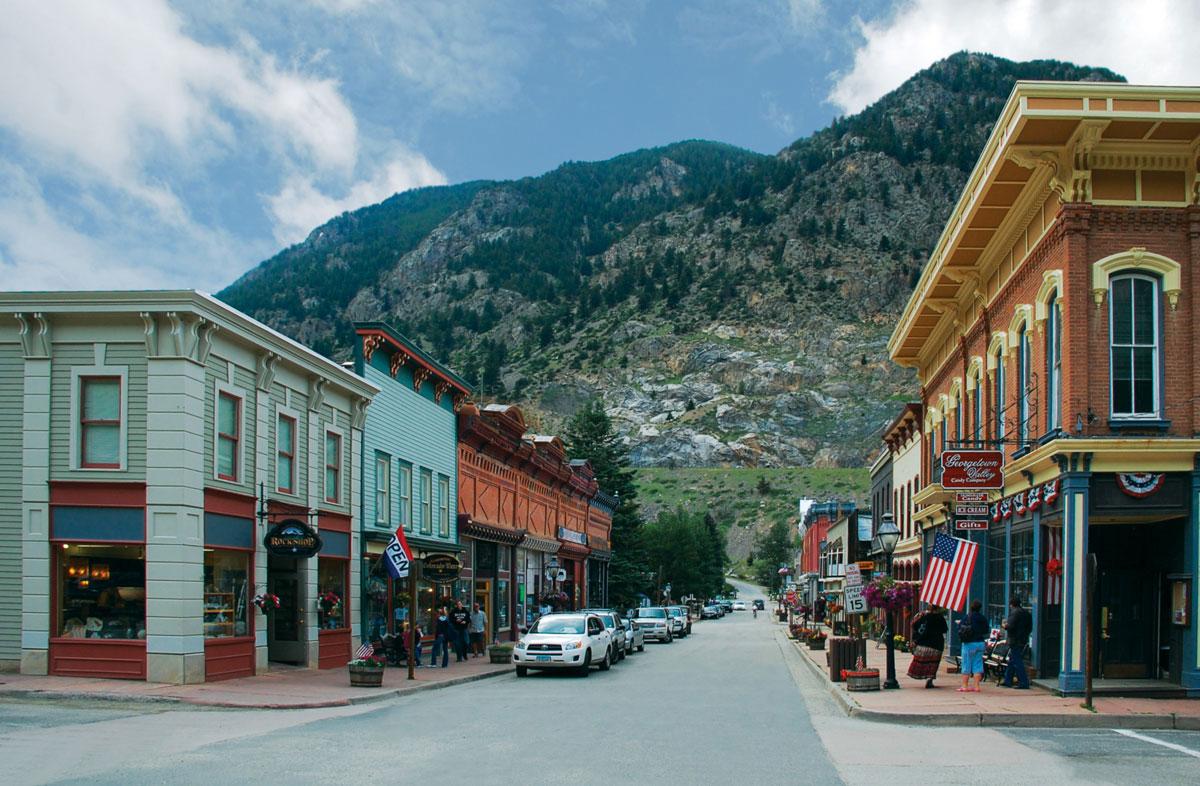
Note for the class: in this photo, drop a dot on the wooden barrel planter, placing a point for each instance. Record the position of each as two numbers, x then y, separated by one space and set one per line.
816 644
500 653
867 679
363 677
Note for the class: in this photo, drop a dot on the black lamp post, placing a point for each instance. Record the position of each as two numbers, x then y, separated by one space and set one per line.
888 535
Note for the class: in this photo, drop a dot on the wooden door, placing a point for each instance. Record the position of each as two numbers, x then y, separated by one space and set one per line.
1126 624
483 596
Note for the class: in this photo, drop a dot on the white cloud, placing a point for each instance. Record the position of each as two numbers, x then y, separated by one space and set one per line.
1152 41
301 205
777 117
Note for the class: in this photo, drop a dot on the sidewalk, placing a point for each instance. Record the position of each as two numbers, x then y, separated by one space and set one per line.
282 689
992 706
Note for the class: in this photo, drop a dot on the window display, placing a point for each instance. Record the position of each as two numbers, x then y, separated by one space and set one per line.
331 592
501 604
101 592
226 593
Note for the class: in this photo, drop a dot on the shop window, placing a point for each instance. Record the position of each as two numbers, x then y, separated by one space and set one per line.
997 602
1133 346
333 466
426 502
502 604
226 590
285 454
427 610
331 592
229 435
404 483
1053 365
100 422
101 592
443 506
376 587
504 560
1021 566
383 489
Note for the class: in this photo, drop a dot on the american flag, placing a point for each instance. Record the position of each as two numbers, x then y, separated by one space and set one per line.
1054 584
949 572
365 650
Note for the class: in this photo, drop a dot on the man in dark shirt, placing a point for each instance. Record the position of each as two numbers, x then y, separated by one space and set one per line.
1019 626
460 618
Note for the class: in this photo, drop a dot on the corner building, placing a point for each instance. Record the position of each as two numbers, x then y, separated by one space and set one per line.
1056 320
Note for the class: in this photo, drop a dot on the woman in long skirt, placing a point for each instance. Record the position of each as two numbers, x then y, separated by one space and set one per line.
929 636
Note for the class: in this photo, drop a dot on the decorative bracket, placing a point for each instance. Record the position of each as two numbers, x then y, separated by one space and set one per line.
399 360
460 400
177 327
151 326
419 377
266 370
204 335
316 393
358 414
370 344
35 335
439 390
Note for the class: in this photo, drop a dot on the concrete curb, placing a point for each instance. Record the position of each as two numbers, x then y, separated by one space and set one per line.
853 709
123 698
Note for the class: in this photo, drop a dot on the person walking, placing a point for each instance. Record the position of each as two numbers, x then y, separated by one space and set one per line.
972 633
443 631
412 640
476 630
1019 626
929 636
460 620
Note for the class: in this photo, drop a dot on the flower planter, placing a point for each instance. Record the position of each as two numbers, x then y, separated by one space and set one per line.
364 677
867 679
816 644
500 653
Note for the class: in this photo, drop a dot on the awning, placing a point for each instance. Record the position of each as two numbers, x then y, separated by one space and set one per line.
534 543
468 527
601 555
573 550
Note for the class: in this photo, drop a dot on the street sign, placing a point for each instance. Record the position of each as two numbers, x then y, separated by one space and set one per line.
969 497
970 511
975 524
853 575
972 470
855 602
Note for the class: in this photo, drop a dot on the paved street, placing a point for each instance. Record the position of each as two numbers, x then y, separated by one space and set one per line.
731 704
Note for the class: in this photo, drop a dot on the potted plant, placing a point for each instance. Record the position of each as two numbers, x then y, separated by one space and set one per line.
267 602
860 678
500 651
816 640
367 672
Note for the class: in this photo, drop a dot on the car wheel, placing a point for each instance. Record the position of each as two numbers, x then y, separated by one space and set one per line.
586 668
606 664
670 639
522 671
641 647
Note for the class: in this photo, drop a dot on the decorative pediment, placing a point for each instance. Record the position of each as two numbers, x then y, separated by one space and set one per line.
1140 260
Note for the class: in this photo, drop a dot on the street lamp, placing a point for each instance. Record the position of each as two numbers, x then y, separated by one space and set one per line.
888 534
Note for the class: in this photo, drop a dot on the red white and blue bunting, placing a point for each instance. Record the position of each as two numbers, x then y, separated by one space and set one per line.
1140 484
1025 501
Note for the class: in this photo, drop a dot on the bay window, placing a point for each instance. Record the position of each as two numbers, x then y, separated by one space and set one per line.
1133 346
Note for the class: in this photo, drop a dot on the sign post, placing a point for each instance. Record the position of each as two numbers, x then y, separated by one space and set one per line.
414 572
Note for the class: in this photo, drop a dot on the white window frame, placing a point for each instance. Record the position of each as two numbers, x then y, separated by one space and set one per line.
1053 364
1156 414
282 411
426 502
405 473
443 485
1023 367
340 499
241 396
78 373
383 460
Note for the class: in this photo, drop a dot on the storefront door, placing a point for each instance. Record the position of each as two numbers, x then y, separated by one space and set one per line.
1127 623
284 643
483 596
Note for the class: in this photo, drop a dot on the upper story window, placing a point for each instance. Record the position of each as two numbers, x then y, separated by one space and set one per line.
1053 365
333 466
998 397
100 423
383 489
959 415
285 454
443 506
229 435
1134 346
426 502
404 484
977 417
1023 385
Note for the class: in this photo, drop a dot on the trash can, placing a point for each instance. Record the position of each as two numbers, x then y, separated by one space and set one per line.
844 652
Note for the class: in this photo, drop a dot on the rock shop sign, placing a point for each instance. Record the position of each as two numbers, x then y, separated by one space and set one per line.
292 538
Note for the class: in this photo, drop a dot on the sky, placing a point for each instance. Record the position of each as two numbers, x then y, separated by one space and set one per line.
162 143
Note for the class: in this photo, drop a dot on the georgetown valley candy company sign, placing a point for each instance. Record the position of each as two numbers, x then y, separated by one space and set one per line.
972 469
292 538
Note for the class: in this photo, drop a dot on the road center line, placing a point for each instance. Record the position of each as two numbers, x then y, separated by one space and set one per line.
1173 746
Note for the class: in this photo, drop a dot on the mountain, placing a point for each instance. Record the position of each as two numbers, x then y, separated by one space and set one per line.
730 308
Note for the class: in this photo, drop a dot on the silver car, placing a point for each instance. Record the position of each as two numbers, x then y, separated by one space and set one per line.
655 623
633 639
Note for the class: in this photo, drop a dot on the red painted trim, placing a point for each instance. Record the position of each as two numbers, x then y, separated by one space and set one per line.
226 659
334 522
228 503
122 659
98 495
333 648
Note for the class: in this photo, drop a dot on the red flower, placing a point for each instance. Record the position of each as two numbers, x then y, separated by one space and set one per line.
1054 567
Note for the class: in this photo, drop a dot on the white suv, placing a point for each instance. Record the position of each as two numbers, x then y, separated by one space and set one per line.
565 641
655 622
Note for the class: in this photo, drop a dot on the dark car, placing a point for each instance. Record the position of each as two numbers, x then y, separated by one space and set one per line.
758 604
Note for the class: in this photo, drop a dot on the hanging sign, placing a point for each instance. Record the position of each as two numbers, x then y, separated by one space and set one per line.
971 511
853 575
571 536
441 568
971 524
972 469
292 538
970 497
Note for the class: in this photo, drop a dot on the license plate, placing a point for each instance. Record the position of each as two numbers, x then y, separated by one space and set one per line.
543 657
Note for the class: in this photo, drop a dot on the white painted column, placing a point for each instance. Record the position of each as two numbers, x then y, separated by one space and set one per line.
354 591
307 568
35 519
264 453
174 520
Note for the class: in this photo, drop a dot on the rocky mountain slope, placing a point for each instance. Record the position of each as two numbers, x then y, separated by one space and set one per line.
730 308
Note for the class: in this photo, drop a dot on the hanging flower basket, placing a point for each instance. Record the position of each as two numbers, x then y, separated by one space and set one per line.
329 602
886 593
1054 567
267 602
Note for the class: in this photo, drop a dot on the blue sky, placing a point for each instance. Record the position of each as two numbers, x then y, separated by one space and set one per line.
159 143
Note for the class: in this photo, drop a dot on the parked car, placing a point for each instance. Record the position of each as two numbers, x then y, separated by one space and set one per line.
759 604
725 604
568 640
739 605
622 630
711 612
684 617
655 623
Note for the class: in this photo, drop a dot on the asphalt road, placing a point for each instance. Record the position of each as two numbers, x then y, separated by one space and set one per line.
730 704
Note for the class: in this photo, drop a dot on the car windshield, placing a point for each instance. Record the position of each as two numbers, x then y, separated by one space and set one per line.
676 612
609 622
558 625
658 613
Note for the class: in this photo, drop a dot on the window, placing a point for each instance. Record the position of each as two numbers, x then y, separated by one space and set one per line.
999 394
383 489
978 415
1054 365
1023 385
285 454
333 466
942 430
101 592
229 435
1133 342
226 590
100 423
959 415
405 483
443 506
934 475
426 502
502 604
331 592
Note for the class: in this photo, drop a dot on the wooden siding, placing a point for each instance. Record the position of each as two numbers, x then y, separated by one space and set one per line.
12 375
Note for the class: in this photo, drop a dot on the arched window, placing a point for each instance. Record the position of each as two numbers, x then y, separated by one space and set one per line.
1053 365
942 430
959 414
1134 345
978 415
998 394
1023 385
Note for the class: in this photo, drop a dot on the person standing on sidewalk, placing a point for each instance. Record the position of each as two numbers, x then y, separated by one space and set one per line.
476 630
443 630
460 619
412 640
972 632
929 635
1019 625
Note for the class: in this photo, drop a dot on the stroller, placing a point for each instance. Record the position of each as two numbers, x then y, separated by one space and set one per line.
392 648
995 657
